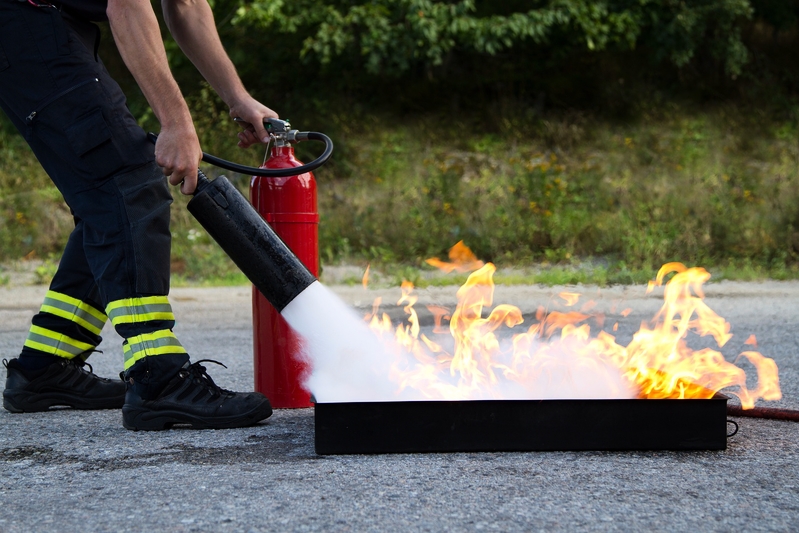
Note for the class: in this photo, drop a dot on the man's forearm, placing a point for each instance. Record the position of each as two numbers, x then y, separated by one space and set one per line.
138 38
191 23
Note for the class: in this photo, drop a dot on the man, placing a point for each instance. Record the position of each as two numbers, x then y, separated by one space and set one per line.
115 266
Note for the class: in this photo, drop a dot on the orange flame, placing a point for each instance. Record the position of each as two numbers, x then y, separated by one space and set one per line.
752 340
439 315
461 259
570 298
657 363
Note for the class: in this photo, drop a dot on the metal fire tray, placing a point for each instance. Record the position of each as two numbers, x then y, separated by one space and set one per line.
520 425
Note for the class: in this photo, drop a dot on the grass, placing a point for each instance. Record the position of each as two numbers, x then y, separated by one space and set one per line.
556 200
702 189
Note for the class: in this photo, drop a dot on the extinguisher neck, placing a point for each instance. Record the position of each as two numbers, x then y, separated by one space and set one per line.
282 152
282 141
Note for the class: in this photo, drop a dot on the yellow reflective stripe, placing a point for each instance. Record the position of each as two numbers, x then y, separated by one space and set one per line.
46 348
74 310
72 317
55 343
99 315
134 310
149 344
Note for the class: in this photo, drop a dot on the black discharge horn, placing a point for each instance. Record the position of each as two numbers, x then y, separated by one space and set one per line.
249 241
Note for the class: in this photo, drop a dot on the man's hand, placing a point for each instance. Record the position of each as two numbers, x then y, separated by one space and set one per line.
178 153
254 113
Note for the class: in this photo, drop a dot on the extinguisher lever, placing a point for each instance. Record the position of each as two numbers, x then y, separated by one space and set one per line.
274 126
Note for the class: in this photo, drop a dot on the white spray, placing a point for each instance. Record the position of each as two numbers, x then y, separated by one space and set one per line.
351 363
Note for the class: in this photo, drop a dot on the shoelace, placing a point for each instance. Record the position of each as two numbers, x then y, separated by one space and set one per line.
80 365
198 372
80 361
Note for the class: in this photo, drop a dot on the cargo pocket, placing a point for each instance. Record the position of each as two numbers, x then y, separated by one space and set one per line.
71 123
147 199
90 139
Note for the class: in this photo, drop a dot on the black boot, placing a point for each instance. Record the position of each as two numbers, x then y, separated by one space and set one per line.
65 382
190 397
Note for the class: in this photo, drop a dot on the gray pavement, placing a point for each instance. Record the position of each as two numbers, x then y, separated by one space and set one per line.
81 471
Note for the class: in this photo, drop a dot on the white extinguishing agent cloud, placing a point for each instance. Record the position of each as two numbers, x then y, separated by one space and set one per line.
351 363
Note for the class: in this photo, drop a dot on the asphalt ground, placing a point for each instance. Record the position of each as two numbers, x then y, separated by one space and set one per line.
81 471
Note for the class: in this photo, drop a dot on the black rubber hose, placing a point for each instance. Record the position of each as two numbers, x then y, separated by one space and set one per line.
273 172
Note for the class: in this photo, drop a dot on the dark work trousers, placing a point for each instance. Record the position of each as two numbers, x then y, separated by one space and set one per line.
60 97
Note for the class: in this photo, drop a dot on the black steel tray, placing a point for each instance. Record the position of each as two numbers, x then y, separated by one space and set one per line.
520 425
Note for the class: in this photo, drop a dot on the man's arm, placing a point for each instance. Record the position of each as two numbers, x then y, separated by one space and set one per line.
191 23
137 35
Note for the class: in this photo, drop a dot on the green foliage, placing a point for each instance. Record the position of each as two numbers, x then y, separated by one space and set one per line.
392 36
45 272
33 218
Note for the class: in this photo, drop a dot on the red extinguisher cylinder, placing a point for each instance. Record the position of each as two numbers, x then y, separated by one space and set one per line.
289 206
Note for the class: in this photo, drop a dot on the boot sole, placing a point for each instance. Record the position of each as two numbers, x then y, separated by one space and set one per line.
20 401
137 418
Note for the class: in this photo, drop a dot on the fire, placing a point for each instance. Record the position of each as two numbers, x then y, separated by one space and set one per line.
571 298
557 355
461 260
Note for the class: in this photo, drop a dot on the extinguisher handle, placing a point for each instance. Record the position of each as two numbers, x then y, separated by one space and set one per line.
272 172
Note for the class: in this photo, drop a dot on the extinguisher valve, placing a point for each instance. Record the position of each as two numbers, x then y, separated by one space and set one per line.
281 132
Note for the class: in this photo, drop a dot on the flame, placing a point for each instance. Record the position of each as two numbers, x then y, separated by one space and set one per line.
570 298
439 315
559 346
461 260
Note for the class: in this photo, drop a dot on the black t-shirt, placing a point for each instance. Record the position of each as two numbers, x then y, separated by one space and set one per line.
93 10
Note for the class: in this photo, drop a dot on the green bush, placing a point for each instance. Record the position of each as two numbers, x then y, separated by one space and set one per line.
396 35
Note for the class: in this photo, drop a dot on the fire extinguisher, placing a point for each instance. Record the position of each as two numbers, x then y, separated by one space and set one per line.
280 256
288 204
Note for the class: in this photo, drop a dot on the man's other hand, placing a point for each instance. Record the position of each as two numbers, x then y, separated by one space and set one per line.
254 113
